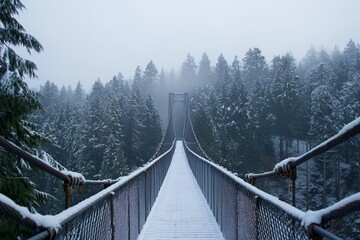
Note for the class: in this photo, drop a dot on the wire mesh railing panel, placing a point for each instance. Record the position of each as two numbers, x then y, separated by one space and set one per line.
133 210
241 213
142 199
148 193
229 210
246 217
121 211
95 223
218 198
121 214
275 223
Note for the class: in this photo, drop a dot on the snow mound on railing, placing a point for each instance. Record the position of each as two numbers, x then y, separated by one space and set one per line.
74 175
42 221
315 217
283 165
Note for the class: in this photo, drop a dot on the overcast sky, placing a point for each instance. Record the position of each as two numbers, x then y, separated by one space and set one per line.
89 39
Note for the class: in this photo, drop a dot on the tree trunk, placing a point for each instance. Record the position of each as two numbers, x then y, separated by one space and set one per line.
281 148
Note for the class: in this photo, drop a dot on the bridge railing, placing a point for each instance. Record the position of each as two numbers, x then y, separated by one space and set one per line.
245 212
241 210
117 212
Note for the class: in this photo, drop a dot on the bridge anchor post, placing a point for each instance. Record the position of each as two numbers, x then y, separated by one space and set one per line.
292 176
68 194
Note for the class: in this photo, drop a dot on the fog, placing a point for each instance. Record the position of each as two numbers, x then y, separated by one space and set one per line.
87 40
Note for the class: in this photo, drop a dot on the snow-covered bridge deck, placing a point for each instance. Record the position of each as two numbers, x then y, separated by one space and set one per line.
180 210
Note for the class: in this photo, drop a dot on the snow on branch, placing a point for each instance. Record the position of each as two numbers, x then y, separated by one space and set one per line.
50 160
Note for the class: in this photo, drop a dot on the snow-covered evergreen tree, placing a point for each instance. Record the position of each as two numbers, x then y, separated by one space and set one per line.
285 97
113 164
133 128
235 71
138 78
204 74
151 134
93 135
188 78
150 79
222 71
254 68
17 102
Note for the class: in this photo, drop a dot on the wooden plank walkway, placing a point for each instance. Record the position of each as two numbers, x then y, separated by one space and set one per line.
180 210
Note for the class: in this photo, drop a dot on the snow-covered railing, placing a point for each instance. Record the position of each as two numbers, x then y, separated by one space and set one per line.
286 167
117 212
246 212
313 219
71 179
39 163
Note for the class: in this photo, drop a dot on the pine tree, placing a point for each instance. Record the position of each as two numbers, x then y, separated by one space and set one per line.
310 61
188 74
204 128
138 79
235 71
322 74
204 74
113 164
93 137
79 95
285 97
66 96
260 101
322 114
339 67
17 102
133 129
254 68
222 71
151 134
351 58
150 78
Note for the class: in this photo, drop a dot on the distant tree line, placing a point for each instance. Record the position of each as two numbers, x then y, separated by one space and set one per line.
239 107
105 134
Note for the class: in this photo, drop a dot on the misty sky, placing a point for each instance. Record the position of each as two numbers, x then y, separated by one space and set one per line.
89 39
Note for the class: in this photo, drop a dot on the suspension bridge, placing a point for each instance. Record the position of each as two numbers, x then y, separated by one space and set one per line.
181 194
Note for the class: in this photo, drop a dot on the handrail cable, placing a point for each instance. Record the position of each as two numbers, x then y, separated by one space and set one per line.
32 220
285 167
337 210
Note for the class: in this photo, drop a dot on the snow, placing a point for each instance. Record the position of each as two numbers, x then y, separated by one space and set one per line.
74 175
350 126
42 221
51 161
180 210
283 165
315 217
